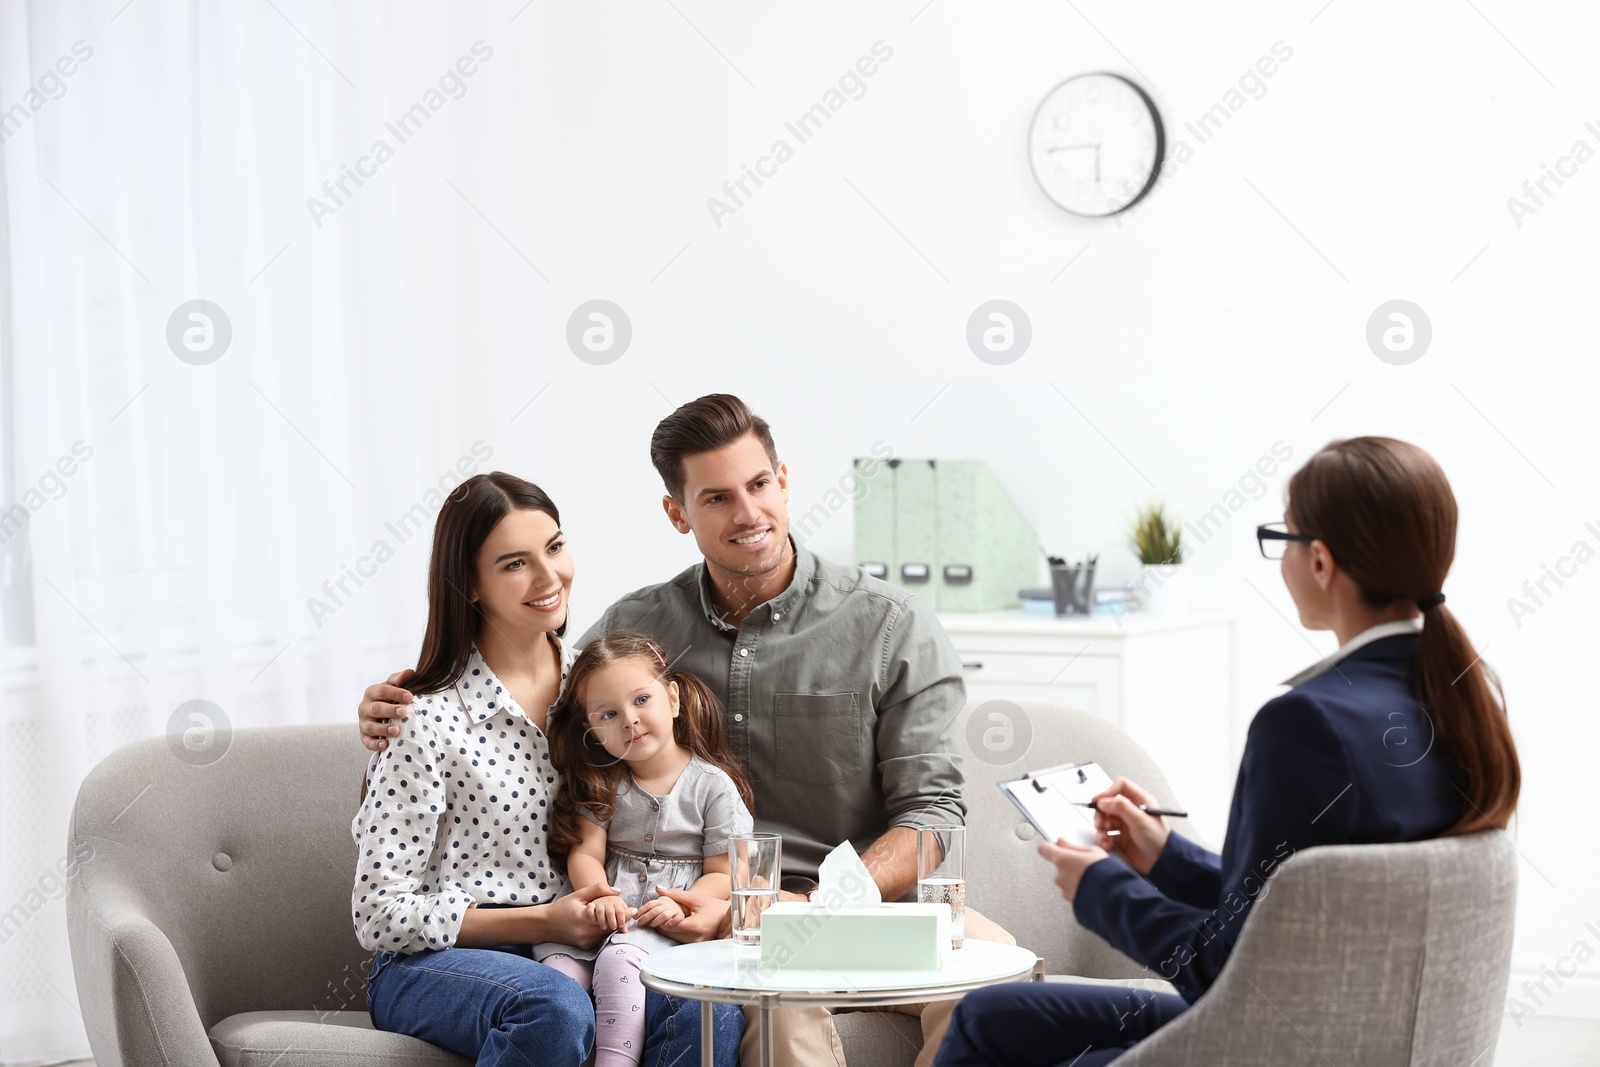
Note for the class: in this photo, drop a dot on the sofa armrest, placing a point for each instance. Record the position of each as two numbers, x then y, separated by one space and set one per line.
132 992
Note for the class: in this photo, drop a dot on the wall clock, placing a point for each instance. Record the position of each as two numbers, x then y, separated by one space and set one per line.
1096 144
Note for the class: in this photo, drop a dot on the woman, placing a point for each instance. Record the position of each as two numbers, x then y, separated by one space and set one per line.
455 883
1400 735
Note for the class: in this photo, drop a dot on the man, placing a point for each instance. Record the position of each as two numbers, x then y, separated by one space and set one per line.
841 691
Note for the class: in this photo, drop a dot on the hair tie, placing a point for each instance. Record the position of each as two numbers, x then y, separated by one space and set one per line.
657 651
1432 600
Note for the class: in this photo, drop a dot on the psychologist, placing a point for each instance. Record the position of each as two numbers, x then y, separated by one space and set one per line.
1400 735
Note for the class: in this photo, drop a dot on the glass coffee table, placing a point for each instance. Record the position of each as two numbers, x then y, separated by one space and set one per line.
723 972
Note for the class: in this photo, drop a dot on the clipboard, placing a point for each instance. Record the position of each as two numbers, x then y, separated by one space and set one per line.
1049 798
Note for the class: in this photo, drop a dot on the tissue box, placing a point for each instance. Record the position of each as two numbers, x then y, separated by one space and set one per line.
886 937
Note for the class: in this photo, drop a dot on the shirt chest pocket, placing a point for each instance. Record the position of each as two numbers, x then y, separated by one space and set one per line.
819 737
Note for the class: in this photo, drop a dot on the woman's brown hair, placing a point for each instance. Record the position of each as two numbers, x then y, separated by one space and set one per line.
1385 510
589 774
468 515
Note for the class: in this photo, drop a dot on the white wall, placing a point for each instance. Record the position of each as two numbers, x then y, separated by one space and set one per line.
1227 313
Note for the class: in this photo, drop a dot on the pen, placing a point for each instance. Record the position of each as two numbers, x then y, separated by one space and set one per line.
1170 812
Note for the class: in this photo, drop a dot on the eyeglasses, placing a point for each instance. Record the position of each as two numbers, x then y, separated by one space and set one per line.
1274 538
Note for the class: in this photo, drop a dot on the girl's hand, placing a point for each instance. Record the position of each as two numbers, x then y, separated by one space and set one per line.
610 912
662 912
1140 837
568 917
1071 861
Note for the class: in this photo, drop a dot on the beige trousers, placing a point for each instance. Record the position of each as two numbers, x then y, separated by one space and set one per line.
805 1037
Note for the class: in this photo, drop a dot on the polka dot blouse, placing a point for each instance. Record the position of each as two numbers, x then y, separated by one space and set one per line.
457 812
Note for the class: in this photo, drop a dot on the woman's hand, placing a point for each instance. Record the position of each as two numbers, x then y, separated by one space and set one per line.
1138 838
567 919
663 913
1071 861
706 916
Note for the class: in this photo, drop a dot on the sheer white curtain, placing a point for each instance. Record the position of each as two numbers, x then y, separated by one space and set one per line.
229 531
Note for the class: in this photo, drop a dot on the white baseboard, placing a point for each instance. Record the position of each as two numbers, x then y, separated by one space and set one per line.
1577 997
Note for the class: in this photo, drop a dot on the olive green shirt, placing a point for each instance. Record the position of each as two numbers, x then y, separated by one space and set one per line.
841 695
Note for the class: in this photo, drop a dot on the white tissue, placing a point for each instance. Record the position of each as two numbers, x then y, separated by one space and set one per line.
844 882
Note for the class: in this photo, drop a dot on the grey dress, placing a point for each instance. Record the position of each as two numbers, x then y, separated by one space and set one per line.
664 841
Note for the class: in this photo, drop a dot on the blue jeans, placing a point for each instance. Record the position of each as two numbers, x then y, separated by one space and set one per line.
505 1009
1039 1024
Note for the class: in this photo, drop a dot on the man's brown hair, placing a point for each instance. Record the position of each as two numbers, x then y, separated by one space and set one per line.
705 425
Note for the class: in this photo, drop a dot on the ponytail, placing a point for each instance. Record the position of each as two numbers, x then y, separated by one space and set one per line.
1467 704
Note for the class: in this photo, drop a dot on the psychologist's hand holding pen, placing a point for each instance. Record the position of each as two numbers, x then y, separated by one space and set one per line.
1131 824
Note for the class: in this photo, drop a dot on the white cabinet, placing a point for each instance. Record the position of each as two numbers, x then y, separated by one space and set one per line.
1163 679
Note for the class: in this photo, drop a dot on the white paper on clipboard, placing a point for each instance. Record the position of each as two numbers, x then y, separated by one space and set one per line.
1047 798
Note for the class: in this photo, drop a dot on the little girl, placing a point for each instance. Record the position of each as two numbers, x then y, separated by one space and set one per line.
650 794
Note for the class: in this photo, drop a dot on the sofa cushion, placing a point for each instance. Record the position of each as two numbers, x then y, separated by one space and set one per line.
320 1039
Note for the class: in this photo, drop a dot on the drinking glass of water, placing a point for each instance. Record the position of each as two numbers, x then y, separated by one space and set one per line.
942 874
755 866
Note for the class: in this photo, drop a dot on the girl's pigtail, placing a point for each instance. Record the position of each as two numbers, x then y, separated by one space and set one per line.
701 730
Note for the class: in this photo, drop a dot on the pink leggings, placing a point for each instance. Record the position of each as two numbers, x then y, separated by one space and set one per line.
613 978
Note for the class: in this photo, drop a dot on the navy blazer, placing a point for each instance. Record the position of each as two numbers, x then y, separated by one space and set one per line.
1348 757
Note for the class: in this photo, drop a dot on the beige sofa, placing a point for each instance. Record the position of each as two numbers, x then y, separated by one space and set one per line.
211 925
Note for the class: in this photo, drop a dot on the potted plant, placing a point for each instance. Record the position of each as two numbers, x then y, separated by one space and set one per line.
1157 540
